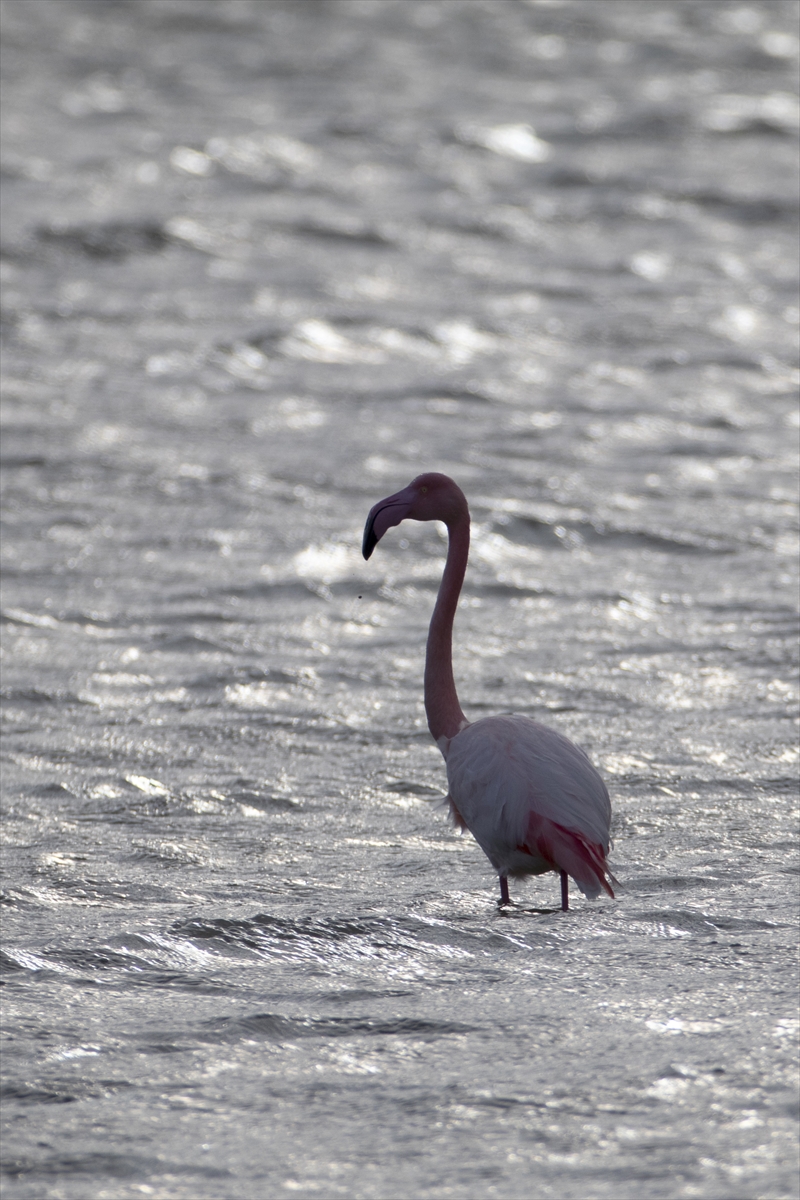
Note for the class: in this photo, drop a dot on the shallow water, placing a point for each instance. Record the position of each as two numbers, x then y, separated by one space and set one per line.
263 263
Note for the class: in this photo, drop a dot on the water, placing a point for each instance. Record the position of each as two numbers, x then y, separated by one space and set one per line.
263 264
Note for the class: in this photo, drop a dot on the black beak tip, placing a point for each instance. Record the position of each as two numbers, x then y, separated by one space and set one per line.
370 541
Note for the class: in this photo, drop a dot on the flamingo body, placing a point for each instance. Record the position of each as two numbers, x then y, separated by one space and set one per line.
531 798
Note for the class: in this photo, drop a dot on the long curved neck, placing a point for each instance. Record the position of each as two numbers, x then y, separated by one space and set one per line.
445 717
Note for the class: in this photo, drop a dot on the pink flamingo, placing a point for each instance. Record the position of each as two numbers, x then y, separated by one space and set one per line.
531 798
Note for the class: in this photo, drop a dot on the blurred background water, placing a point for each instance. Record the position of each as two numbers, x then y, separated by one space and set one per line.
263 262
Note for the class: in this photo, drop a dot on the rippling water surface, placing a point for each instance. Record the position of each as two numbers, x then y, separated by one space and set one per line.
263 263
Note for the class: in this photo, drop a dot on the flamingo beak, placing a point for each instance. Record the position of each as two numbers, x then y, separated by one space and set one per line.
383 516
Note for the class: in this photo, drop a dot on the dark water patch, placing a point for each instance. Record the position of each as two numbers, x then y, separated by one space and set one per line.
277 1028
489 226
551 532
493 587
412 396
24 1093
38 696
188 643
217 20
110 240
577 177
349 235
459 1096
62 1091
684 361
24 460
265 801
217 680
167 1047
238 933
198 616
671 883
662 543
697 449
406 787
439 401
97 1166
754 210
784 784
757 609
179 981
356 995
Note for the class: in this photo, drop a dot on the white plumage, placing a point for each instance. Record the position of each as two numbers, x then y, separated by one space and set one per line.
504 770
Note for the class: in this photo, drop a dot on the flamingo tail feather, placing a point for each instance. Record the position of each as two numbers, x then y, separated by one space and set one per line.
570 851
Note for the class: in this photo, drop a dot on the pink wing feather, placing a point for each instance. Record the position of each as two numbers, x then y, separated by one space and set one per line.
567 850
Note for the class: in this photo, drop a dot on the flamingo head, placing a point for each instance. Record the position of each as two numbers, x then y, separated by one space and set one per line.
430 497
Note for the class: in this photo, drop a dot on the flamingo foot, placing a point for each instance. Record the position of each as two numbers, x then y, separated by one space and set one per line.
504 897
564 891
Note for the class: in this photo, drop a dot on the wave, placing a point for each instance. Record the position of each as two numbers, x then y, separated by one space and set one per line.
277 1028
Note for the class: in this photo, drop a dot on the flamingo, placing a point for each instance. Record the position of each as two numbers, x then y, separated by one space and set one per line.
531 798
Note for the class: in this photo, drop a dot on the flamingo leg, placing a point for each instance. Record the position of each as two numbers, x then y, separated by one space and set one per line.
564 891
504 897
